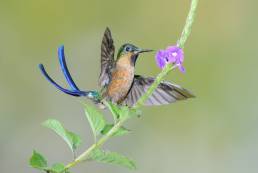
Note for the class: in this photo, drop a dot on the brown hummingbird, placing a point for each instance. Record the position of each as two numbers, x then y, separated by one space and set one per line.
120 84
117 79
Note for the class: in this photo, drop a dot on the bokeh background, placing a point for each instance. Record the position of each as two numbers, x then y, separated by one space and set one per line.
215 132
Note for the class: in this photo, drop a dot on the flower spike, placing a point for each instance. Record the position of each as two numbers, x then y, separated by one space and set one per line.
172 55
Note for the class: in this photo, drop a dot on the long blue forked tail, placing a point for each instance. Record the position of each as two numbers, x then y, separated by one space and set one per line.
74 90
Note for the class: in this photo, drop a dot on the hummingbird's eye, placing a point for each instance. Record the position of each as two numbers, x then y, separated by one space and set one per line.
127 49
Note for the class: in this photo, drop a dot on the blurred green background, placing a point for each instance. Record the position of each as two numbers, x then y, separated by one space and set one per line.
215 132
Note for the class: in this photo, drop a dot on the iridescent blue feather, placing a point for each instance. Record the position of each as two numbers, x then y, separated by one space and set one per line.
74 91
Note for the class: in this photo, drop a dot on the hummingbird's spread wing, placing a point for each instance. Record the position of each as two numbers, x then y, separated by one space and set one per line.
165 93
107 58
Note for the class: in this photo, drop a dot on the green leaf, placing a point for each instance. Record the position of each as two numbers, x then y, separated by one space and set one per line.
135 112
57 168
127 112
95 118
70 138
38 161
124 112
120 132
112 158
114 109
76 140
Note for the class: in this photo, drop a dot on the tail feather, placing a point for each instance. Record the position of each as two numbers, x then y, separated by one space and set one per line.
74 91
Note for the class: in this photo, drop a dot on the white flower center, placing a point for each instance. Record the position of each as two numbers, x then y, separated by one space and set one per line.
174 54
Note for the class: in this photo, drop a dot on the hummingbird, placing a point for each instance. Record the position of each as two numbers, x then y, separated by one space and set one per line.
117 80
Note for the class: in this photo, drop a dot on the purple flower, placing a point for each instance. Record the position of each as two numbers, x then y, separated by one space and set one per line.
173 55
162 58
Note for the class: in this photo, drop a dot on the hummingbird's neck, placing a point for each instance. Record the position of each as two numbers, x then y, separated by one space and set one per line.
126 61
134 59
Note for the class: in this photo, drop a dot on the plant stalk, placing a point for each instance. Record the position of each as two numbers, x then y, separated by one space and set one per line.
188 24
153 86
181 42
169 67
101 141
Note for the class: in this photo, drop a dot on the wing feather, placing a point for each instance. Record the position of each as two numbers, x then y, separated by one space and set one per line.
165 93
107 58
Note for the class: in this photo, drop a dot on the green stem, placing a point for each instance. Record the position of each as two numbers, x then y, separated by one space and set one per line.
155 84
188 24
181 42
100 142
169 67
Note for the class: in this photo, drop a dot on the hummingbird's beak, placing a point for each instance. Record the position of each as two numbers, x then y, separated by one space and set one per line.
142 50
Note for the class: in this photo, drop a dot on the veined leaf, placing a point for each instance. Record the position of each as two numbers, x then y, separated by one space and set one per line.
135 112
76 140
120 132
114 109
124 112
38 161
95 118
112 158
72 140
57 168
127 112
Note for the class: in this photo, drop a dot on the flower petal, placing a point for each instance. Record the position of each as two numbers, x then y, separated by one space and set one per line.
161 59
173 55
181 68
176 56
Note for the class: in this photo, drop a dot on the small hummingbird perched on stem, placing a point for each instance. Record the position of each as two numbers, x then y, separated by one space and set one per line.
117 79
